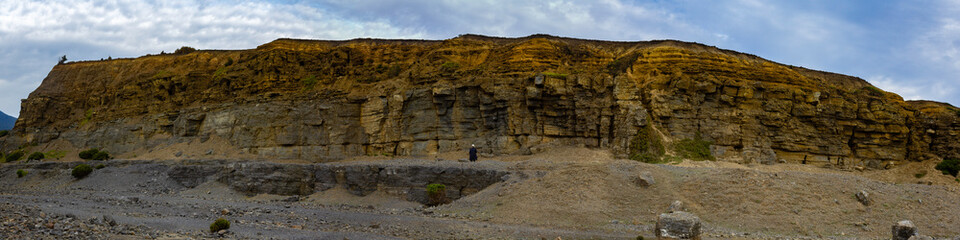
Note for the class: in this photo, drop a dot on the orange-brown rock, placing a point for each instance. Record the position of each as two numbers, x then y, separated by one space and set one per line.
332 99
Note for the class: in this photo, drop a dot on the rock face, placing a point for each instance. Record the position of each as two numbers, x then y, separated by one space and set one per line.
360 179
333 99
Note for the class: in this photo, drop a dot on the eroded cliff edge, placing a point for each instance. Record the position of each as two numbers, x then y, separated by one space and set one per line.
323 100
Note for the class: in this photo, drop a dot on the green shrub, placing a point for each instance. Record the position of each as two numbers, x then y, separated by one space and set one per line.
555 75
695 149
219 224
54 154
14 156
100 166
4 133
35 156
920 175
87 115
309 82
871 90
184 50
81 171
88 154
101 155
437 194
217 75
21 173
647 146
949 166
622 64
449 67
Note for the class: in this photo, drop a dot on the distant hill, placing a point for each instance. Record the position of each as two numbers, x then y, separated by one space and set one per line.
6 121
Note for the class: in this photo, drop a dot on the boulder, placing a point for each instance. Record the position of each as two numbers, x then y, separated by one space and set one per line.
677 225
903 230
644 179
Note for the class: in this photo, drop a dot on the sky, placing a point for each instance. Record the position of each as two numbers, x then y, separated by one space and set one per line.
911 48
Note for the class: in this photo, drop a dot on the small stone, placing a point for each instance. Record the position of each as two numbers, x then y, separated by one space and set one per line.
222 232
677 225
920 237
178 154
109 220
903 230
209 152
676 206
225 211
49 225
863 197
291 199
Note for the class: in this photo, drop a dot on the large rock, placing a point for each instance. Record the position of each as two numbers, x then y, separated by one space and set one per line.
904 230
677 225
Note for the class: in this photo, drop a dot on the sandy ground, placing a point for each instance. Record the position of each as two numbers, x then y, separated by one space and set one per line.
562 192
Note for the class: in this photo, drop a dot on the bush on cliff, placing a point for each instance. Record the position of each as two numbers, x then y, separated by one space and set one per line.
449 67
81 171
4 133
949 166
185 50
88 154
101 155
54 154
94 154
695 149
21 173
14 156
35 156
219 224
436 194
647 146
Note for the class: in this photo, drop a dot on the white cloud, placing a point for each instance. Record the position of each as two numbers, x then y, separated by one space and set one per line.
942 44
34 33
907 91
601 19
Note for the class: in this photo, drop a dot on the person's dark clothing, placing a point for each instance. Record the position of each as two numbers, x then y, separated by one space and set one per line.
473 154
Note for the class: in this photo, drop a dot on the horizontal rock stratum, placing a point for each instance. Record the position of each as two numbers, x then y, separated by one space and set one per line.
324 100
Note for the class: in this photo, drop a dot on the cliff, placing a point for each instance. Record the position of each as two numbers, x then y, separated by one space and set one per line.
325 100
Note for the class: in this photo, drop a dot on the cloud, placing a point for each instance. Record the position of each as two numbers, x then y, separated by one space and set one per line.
33 34
601 19
942 44
908 92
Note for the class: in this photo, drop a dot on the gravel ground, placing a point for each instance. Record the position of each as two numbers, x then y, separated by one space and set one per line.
136 200
570 194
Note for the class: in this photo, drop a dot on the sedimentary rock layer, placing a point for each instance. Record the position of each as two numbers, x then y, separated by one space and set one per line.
333 99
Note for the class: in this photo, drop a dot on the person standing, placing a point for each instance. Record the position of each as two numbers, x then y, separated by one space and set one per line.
473 153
